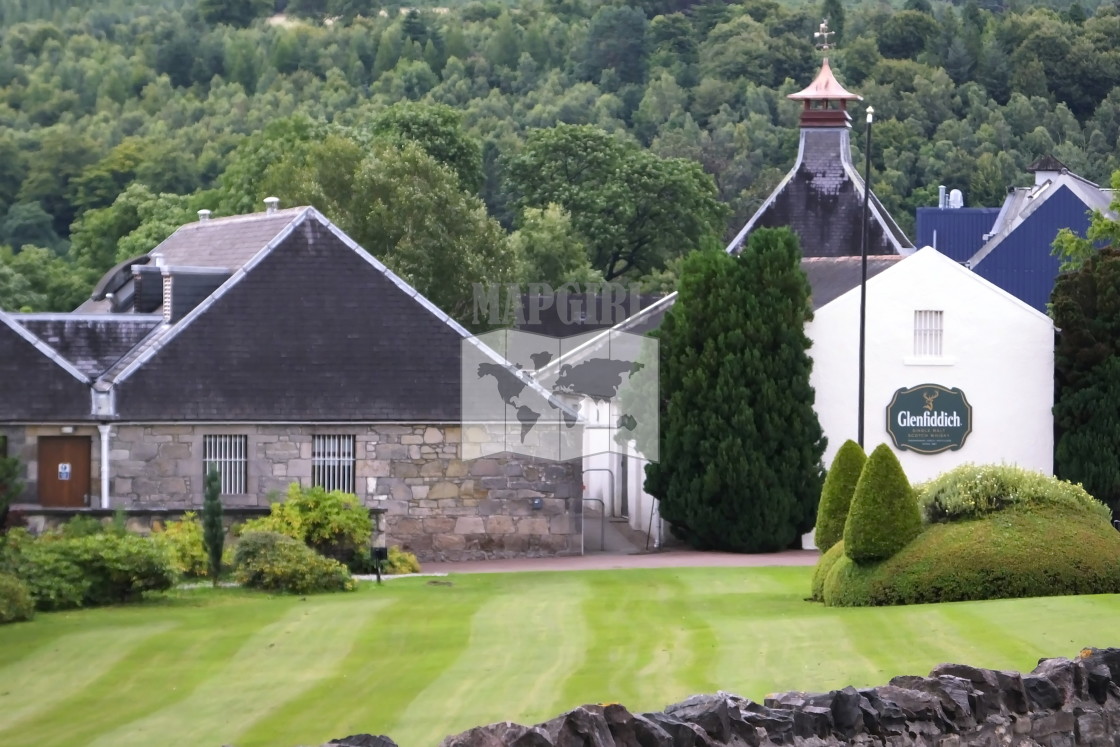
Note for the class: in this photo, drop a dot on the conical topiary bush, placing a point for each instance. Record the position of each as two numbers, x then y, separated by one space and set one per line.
884 515
836 495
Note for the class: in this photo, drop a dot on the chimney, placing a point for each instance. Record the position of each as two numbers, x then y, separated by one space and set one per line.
941 199
271 204
203 216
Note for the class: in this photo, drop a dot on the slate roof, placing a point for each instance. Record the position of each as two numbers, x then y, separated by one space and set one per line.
36 383
308 328
91 343
821 199
219 243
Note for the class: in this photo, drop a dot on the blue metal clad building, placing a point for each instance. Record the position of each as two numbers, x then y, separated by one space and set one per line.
958 233
1022 263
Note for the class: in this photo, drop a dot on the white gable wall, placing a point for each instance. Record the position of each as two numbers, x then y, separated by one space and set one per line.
999 351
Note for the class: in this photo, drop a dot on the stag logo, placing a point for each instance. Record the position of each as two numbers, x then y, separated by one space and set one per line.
929 397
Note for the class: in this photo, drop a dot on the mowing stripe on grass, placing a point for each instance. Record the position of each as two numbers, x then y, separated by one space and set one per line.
651 643
522 645
274 666
63 667
398 653
163 669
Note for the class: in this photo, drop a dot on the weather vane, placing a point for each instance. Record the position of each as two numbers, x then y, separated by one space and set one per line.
824 35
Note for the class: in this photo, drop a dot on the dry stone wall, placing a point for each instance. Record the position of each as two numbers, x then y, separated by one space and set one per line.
1062 703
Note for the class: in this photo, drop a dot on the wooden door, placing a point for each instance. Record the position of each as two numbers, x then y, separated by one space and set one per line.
64 470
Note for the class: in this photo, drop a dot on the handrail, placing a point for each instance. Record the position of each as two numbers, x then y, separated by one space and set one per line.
602 524
610 472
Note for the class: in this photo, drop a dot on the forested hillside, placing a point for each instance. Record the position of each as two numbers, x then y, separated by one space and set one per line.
119 119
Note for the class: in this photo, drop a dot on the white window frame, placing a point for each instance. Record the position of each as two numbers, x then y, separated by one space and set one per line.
229 454
333 465
929 333
928 346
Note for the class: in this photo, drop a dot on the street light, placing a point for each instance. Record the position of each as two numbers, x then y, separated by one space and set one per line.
863 277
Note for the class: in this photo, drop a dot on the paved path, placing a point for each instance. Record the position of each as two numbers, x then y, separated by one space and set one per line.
614 561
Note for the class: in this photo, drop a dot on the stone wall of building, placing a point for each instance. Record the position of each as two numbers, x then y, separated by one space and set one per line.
437 505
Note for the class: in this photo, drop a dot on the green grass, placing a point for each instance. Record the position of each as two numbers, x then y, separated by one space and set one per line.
418 661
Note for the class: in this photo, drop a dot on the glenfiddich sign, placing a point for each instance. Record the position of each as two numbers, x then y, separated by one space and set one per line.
929 419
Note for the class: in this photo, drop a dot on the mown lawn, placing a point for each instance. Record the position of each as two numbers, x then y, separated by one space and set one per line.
419 661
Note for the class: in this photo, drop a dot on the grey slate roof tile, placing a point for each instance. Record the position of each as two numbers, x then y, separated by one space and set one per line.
92 344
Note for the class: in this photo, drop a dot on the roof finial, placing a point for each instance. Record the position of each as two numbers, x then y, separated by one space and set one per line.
824 35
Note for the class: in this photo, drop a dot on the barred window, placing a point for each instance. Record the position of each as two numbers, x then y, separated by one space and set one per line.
928 333
332 463
228 455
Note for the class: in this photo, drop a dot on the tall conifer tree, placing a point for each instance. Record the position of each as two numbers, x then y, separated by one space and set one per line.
741 446
213 532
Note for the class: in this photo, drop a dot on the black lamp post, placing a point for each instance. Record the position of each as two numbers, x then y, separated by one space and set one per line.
863 277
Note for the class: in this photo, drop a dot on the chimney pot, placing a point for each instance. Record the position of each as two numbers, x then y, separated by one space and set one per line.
271 204
203 216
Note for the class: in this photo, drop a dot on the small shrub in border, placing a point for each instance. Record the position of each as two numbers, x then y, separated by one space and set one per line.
16 603
98 569
275 562
184 540
971 491
334 524
401 562
836 495
884 516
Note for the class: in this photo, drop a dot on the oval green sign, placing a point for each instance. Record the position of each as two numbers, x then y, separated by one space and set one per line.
929 419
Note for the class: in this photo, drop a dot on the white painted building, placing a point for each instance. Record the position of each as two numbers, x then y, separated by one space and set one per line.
930 321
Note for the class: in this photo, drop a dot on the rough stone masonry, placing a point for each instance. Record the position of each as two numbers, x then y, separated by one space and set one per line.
1061 703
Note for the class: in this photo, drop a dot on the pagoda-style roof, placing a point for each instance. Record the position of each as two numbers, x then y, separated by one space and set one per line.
1047 163
825 87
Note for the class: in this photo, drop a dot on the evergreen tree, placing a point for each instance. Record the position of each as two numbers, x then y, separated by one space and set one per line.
1086 308
740 456
884 516
213 532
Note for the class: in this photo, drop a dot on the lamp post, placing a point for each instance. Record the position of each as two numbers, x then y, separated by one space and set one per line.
863 276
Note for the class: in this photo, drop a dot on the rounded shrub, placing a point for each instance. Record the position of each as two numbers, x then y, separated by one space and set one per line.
275 562
1045 551
836 495
15 600
334 524
824 565
971 491
95 569
883 516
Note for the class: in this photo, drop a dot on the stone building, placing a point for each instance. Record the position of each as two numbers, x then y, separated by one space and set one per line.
274 349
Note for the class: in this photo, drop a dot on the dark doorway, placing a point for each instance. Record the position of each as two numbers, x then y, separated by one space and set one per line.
64 470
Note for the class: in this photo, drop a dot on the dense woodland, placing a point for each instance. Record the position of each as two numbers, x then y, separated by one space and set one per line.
548 140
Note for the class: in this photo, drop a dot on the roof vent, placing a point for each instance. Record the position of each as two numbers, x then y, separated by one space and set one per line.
203 216
956 199
157 259
271 204
942 198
